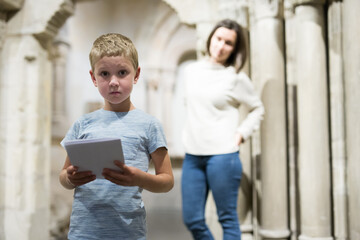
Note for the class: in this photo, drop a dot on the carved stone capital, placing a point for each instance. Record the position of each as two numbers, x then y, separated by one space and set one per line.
201 10
2 28
56 21
41 18
11 5
268 9
306 2
235 9
290 5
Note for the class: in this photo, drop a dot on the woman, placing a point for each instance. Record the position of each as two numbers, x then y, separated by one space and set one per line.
214 90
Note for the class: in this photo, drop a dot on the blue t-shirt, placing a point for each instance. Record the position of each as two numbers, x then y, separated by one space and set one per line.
101 209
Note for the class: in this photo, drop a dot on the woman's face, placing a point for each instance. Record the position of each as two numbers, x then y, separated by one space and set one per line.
222 44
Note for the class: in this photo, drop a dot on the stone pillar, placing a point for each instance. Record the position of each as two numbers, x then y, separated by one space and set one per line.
168 76
337 113
160 97
153 99
351 48
268 72
3 17
59 54
290 30
314 156
25 138
25 112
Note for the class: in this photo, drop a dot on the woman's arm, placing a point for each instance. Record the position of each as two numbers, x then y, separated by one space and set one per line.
246 92
162 181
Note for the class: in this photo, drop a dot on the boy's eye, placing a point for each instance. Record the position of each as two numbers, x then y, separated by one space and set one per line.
104 74
122 73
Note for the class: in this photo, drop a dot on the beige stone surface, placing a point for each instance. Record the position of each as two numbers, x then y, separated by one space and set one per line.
321 94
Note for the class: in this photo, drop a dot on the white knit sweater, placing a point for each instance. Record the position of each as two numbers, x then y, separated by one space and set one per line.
213 94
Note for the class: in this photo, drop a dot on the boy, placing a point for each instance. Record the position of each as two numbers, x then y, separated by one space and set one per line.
112 208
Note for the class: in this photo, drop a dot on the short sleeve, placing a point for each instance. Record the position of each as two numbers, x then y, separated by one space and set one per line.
156 136
72 133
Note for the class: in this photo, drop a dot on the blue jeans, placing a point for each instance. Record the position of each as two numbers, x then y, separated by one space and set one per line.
221 174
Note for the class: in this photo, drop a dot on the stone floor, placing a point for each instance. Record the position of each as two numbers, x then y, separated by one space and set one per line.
164 218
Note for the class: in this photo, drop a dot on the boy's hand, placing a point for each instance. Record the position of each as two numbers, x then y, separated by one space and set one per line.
76 178
127 176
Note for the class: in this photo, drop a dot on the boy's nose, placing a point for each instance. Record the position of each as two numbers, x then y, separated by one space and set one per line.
114 81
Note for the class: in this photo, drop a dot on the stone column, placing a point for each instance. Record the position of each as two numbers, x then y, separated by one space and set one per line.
59 54
153 83
337 113
159 96
351 48
314 157
25 112
25 138
290 30
168 76
3 17
268 72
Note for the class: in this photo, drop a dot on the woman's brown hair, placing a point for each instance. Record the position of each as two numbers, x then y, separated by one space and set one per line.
239 54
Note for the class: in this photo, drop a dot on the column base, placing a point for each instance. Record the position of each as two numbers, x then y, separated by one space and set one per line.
304 237
247 236
246 228
274 234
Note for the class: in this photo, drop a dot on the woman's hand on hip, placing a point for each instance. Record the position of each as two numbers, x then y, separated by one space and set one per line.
238 139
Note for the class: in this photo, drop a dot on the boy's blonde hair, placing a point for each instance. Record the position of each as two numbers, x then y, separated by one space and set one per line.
113 44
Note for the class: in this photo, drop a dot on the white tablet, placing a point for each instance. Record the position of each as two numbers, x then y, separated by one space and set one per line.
95 154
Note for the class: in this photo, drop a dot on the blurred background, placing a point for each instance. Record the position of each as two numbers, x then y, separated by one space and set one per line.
300 169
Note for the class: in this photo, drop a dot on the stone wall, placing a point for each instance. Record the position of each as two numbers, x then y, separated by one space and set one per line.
300 170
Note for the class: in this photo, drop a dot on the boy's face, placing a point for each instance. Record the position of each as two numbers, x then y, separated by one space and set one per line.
114 77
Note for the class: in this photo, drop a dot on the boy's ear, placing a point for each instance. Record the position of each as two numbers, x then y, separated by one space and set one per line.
137 75
93 78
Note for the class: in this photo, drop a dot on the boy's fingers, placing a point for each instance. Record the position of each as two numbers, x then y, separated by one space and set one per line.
72 168
122 166
80 175
119 164
80 180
